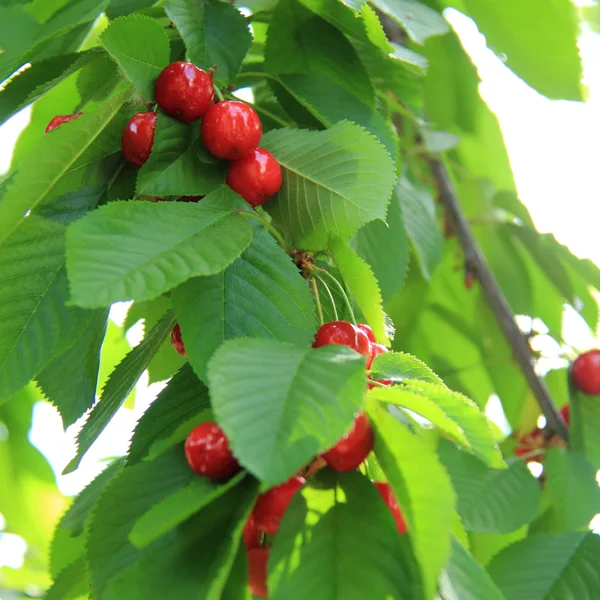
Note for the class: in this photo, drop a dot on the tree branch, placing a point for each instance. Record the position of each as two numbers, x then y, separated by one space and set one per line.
497 301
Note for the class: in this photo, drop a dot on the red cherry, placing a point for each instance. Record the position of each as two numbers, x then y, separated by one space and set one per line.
231 129
257 571
376 350
387 494
368 331
177 340
530 442
207 452
353 448
184 91
565 412
256 177
252 534
585 372
271 506
138 138
343 333
60 120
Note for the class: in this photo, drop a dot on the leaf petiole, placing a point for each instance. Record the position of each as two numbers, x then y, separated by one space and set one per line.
318 300
343 292
268 226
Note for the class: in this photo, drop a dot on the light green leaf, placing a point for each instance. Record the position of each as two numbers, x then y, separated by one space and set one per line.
419 218
177 508
491 500
71 582
301 400
362 284
547 60
420 21
142 249
465 579
334 182
53 156
398 366
549 567
423 490
140 46
329 547
119 385
215 34
585 425
179 165
261 295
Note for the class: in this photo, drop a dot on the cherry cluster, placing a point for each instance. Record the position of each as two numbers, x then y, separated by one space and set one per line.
533 444
208 454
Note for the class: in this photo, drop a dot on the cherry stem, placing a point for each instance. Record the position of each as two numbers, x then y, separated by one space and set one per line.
343 292
377 383
333 306
219 94
268 226
318 300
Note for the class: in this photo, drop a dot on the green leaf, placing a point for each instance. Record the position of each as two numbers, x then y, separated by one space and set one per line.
419 21
549 567
419 219
143 249
69 380
215 34
549 60
329 547
42 76
179 165
491 500
177 508
120 8
334 182
466 579
572 488
301 400
423 491
585 425
53 156
71 582
119 385
183 398
261 295
385 247
140 46
300 42
398 366
362 284
35 325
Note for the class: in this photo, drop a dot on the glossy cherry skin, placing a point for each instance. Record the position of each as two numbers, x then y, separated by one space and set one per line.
565 413
231 129
207 452
252 534
271 506
343 333
585 372
368 332
387 494
184 91
138 138
256 177
177 340
60 120
257 571
353 448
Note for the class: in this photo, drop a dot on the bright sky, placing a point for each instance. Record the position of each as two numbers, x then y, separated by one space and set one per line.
554 149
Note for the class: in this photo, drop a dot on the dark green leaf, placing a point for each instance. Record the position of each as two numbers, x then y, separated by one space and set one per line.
262 294
301 400
71 583
119 385
120 8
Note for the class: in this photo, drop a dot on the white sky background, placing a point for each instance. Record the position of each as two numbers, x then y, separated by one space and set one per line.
554 148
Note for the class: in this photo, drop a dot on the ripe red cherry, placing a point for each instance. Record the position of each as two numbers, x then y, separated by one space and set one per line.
271 506
585 372
256 177
565 413
184 91
231 129
530 442
387 494
138 138
177 340
368 331
257 571
207 452
343 333
60 120
353 448
252 534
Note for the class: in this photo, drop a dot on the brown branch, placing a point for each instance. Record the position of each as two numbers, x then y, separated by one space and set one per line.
498 303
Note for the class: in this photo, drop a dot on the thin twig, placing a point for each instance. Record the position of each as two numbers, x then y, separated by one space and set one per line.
318 300
498 303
